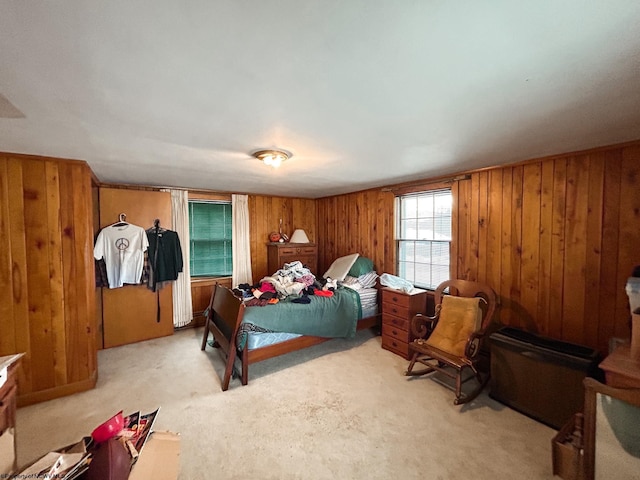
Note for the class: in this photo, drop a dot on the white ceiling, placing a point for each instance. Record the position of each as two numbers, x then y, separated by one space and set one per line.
364 93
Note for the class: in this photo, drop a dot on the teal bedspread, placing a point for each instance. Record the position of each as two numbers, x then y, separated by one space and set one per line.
335 316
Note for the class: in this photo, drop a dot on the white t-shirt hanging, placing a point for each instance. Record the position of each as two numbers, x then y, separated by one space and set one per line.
122 248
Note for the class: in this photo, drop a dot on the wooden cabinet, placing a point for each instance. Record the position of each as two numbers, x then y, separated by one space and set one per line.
280 253
47 278
398 308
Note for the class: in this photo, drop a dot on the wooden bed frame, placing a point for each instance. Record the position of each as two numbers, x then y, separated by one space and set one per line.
224 317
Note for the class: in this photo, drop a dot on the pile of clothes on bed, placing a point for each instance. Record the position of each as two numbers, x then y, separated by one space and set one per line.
352 296
293 279
296 283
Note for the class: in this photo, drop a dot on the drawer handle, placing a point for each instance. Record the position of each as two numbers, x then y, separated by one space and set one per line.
394 332
394 310
395 299
396 322
394 344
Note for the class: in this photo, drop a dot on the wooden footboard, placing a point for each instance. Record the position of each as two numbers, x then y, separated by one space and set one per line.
298 343
224 317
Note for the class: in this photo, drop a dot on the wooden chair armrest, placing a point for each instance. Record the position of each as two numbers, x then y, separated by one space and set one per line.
423 325
473 343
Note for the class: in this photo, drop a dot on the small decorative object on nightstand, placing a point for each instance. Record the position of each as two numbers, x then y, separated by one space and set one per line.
398 308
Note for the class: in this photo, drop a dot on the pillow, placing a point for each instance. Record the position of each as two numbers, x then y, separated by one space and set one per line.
340 267
459 317
351 281
361 266
368 280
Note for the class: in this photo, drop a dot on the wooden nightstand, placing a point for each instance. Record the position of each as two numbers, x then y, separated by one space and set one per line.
621 369
280 253
398 308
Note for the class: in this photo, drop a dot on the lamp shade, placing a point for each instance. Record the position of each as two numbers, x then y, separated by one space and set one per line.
299 236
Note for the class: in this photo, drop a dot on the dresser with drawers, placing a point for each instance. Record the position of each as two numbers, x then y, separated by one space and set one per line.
398 308
280 253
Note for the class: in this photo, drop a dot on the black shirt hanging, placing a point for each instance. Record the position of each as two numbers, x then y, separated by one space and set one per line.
165 255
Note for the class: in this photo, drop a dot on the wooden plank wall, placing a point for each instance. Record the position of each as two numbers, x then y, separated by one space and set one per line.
47 284
264 217
201 291
556 238
361 222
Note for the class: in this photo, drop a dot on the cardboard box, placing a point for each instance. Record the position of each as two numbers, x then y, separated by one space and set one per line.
567 457
635 335
7 453
159 459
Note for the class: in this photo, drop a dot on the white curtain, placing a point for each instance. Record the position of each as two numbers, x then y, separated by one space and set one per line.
241 247
182 307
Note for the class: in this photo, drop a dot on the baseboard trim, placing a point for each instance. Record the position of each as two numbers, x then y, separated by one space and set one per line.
57 392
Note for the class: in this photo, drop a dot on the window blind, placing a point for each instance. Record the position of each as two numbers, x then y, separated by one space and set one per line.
210 231
423 236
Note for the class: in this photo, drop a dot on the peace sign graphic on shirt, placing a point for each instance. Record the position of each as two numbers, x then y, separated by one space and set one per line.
122 243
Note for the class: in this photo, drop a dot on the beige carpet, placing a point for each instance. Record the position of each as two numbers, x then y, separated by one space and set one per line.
340 410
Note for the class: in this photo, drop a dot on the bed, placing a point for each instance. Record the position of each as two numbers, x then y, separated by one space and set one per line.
250 334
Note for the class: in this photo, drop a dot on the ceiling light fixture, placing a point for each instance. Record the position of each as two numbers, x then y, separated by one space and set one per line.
272 158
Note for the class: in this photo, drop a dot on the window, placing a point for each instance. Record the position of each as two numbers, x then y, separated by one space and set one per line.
423 233
210 232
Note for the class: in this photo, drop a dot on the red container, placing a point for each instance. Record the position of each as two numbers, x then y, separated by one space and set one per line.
108 429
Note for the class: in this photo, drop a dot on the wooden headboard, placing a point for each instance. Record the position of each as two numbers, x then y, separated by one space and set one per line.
224 317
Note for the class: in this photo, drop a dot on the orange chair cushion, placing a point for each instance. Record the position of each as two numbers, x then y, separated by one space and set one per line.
459 318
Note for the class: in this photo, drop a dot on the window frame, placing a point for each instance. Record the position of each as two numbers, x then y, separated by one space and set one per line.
229 256
400 239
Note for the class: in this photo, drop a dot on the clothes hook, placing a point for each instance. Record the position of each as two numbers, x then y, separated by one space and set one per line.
122 217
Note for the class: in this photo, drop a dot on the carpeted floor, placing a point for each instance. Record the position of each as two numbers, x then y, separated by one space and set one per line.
340 410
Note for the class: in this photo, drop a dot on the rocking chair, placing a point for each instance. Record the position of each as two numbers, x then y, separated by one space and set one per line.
450 341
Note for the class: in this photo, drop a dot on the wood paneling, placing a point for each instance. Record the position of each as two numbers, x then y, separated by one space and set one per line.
555 237
361 223
47 292
265 214
570 229
130 313
201 291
